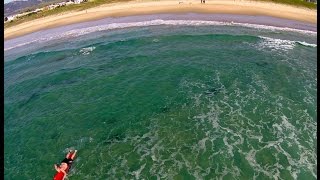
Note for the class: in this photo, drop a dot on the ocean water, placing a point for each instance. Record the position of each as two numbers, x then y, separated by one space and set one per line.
163 99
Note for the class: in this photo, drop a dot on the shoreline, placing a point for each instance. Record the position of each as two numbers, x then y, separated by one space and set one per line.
84 29
142 7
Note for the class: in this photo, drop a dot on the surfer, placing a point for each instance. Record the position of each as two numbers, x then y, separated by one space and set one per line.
65 166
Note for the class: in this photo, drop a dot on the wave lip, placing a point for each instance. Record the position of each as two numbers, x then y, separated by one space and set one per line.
280 44
306 44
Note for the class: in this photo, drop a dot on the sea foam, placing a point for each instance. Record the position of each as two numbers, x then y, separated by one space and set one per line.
281 44
157 22
87 50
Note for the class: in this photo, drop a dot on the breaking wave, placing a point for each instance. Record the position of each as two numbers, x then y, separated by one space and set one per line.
157 22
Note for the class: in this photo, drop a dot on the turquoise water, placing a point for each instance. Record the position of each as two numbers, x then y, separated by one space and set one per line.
165 102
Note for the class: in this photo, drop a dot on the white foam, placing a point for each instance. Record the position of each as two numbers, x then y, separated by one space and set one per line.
230 147
278 127
157 22
306 44
155 40
137 172
276 44
286 123
87 50
202 143
250 157
19 45
282 44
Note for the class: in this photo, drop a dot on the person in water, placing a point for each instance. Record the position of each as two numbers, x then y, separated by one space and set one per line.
65 165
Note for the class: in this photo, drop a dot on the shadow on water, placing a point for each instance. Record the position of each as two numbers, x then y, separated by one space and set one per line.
57 58
164 109
212 91
262 64
111 120
55 135
113 138
33 97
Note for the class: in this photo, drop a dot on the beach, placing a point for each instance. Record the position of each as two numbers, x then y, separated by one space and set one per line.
131 8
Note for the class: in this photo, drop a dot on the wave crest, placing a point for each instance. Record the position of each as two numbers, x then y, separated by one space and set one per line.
281 44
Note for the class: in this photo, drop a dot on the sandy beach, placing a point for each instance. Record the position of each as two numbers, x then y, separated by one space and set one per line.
141 7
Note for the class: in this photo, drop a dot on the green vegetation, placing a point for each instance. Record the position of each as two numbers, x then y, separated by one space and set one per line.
58 10
94 3
299 3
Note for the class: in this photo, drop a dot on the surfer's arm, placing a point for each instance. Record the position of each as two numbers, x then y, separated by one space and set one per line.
56 167
74 154
64 176
63 172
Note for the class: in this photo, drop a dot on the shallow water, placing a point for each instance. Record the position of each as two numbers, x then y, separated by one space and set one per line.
164 101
